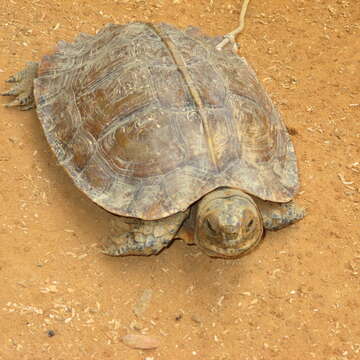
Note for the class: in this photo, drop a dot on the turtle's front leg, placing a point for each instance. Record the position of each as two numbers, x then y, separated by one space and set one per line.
278 215
23 87
141 237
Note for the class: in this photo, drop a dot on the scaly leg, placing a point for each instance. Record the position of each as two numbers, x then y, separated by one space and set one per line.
279 215
23 88
142 237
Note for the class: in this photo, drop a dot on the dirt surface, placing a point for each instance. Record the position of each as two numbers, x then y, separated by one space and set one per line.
295 297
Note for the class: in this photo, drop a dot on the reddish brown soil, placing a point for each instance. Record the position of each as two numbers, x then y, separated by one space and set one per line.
295 297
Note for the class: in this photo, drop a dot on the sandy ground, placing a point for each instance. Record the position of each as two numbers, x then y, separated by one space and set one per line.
295 297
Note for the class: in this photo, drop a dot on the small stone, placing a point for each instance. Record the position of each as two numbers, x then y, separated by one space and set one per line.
143 303
196 319
51 333
142 342
292 131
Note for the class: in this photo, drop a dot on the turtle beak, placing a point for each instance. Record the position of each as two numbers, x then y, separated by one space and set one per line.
230 227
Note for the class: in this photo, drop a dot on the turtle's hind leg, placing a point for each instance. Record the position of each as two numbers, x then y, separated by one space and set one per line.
23 87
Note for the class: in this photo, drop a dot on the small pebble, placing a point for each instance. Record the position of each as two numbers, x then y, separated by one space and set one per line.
196 319
143 303
292 131
51 333
143 342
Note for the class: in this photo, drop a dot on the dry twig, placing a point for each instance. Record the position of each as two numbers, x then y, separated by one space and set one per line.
230 37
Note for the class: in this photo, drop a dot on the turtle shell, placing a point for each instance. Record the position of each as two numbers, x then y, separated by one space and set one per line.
147 119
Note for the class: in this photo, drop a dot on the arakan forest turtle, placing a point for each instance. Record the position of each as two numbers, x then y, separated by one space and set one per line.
177 139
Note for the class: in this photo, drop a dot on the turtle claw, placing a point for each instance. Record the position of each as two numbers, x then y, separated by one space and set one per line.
15 102
8 93
11 79
15 90
128 249
23 89
110 251
31 69
24 100
16 77
27 107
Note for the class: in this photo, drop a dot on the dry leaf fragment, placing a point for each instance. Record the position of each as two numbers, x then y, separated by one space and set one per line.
143 303
342 179
143 342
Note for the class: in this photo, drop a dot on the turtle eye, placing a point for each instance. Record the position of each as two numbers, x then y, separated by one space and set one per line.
250 225
210 227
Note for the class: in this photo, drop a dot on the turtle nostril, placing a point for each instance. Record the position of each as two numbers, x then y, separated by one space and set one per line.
231 229
230 232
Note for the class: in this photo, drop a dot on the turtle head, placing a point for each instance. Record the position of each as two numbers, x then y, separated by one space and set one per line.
228 223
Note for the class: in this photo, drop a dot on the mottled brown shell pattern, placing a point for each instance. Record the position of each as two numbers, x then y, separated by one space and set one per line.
147 119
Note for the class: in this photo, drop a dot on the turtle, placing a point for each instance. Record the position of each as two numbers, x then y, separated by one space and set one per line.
176 139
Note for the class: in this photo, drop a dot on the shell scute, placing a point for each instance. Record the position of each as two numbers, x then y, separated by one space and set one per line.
138 146
209 84
169 87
